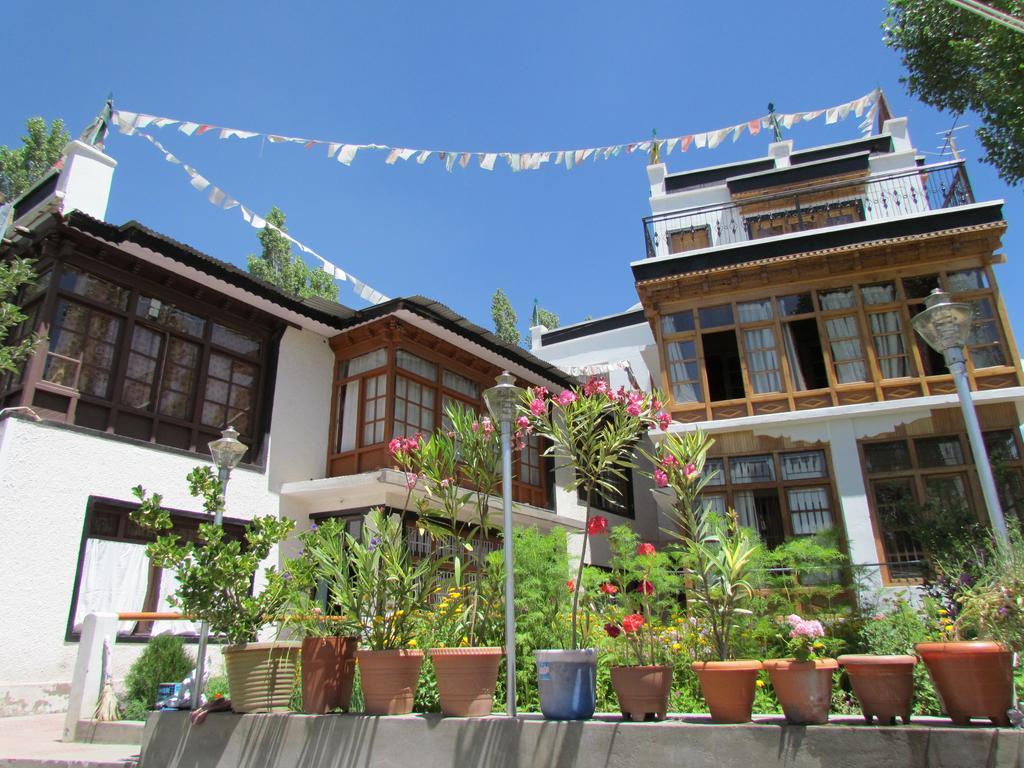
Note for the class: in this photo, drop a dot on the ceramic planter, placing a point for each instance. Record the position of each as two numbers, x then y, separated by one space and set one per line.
466 678
566 682
389 680
642 691
973 679
804 688
328 667
728 688
884 685
261 676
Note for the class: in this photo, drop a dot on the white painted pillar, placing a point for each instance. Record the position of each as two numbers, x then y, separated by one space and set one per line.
853 501
88 676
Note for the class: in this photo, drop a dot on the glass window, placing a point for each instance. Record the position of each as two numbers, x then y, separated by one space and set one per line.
230 393
762 360
803 465
143 362
683 373
797 304
461 384
170 316
529 462
378 358
715 469
1001 446
755 311
181 372
809 510
887 457
880 293
896 508
967 280
712 317
847 352
678 322
410 362
939 452
714 503
887 337
92 287
83 342
837 298
375 391
414 407
236 341
983 342
948 490
752 469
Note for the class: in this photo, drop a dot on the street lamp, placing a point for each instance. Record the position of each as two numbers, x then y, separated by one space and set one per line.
501 402
226 452
946 325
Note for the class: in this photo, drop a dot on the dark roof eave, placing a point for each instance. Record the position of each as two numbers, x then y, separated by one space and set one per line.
592 327
816 240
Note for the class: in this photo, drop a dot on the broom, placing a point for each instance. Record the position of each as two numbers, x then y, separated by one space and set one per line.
106 706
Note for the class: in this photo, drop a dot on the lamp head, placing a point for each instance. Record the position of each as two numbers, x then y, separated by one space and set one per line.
944 324
228 450
501 399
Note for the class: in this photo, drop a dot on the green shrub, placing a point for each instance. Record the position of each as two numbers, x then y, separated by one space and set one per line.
163 661
217 685
134 709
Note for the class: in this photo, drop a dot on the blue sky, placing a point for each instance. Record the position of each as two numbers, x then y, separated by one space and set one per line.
527 76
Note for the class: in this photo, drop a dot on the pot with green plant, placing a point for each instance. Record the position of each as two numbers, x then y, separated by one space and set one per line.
640 592
593 432
388 592
319 591
980 605
215 575
803 683
718 558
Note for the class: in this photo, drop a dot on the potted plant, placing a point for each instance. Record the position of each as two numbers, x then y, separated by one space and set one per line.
459 470
318 588
387 591
803 683
593 432
641 591
981 616
215 578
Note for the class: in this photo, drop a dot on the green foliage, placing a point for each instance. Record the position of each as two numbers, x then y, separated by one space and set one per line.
278 266
40 149
216 686
215 573
548 319
163 661
504 318
14 273
992 603
959 61
134 709
323 558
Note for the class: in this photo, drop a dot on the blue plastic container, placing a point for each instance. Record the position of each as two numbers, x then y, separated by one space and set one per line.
566 682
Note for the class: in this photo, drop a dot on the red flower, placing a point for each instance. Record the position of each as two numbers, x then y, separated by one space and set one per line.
597 524
645 549
633 622
645 587
609 589
612 629
571 585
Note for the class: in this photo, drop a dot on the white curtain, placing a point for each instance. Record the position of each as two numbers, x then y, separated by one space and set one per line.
885 331
746 511
803 465
879 294
114 579
375 359
840 299
799 382
762 360
417 365
752 469
846 350
809 510
168 586
754 311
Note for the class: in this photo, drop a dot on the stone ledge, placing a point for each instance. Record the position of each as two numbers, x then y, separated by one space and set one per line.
431 741
117 732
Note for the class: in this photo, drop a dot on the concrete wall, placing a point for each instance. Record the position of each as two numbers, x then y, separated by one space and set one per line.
47 473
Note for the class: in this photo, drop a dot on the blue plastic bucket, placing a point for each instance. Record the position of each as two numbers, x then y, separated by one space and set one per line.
566 682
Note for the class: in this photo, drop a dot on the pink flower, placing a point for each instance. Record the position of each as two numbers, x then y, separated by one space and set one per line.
808 629
397 444
540 393
476 426
445 483
670 461
660 478
523 422
487 425
411 478
565 397
537 407
664 420
655 404
690 472
595 387
646 549
634 409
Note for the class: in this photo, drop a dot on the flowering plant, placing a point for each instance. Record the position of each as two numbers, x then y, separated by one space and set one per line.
717 554
592 431
806 640
640 591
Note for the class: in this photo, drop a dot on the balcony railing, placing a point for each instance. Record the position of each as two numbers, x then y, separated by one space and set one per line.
929 188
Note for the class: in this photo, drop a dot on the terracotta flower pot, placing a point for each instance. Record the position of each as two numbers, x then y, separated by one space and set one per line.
884 685
389 680
328 666
804 688
261 676
728 688
466 678
642 691
973 679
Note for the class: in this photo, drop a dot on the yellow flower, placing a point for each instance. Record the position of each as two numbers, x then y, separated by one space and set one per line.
677 647
943 611
679 620
464 641
412 643
819 645
399 612
378 619
759 683
949 628
454 595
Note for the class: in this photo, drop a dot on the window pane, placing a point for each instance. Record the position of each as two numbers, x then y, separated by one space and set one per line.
888 340
948 490
968 280
375 359
752 469
896 509
755 311
682 372
715 503
712 317
809 510
983 341
881 293
803 465
87 337
839 298
92 287
236 341
1001 446
847 353
939 452
715 469
680 322
461 384
920 286
417 365
170 316
797 304
887 457
762 360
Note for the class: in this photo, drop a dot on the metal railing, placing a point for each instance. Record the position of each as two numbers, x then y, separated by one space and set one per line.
928 188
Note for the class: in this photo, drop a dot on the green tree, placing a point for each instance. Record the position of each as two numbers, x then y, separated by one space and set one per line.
277 265
959 61
504 318
13 274
40 149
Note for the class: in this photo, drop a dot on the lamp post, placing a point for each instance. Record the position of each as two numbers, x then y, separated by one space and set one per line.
501 402
226 452
946 325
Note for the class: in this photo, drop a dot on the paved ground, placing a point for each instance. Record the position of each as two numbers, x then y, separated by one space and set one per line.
35 741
